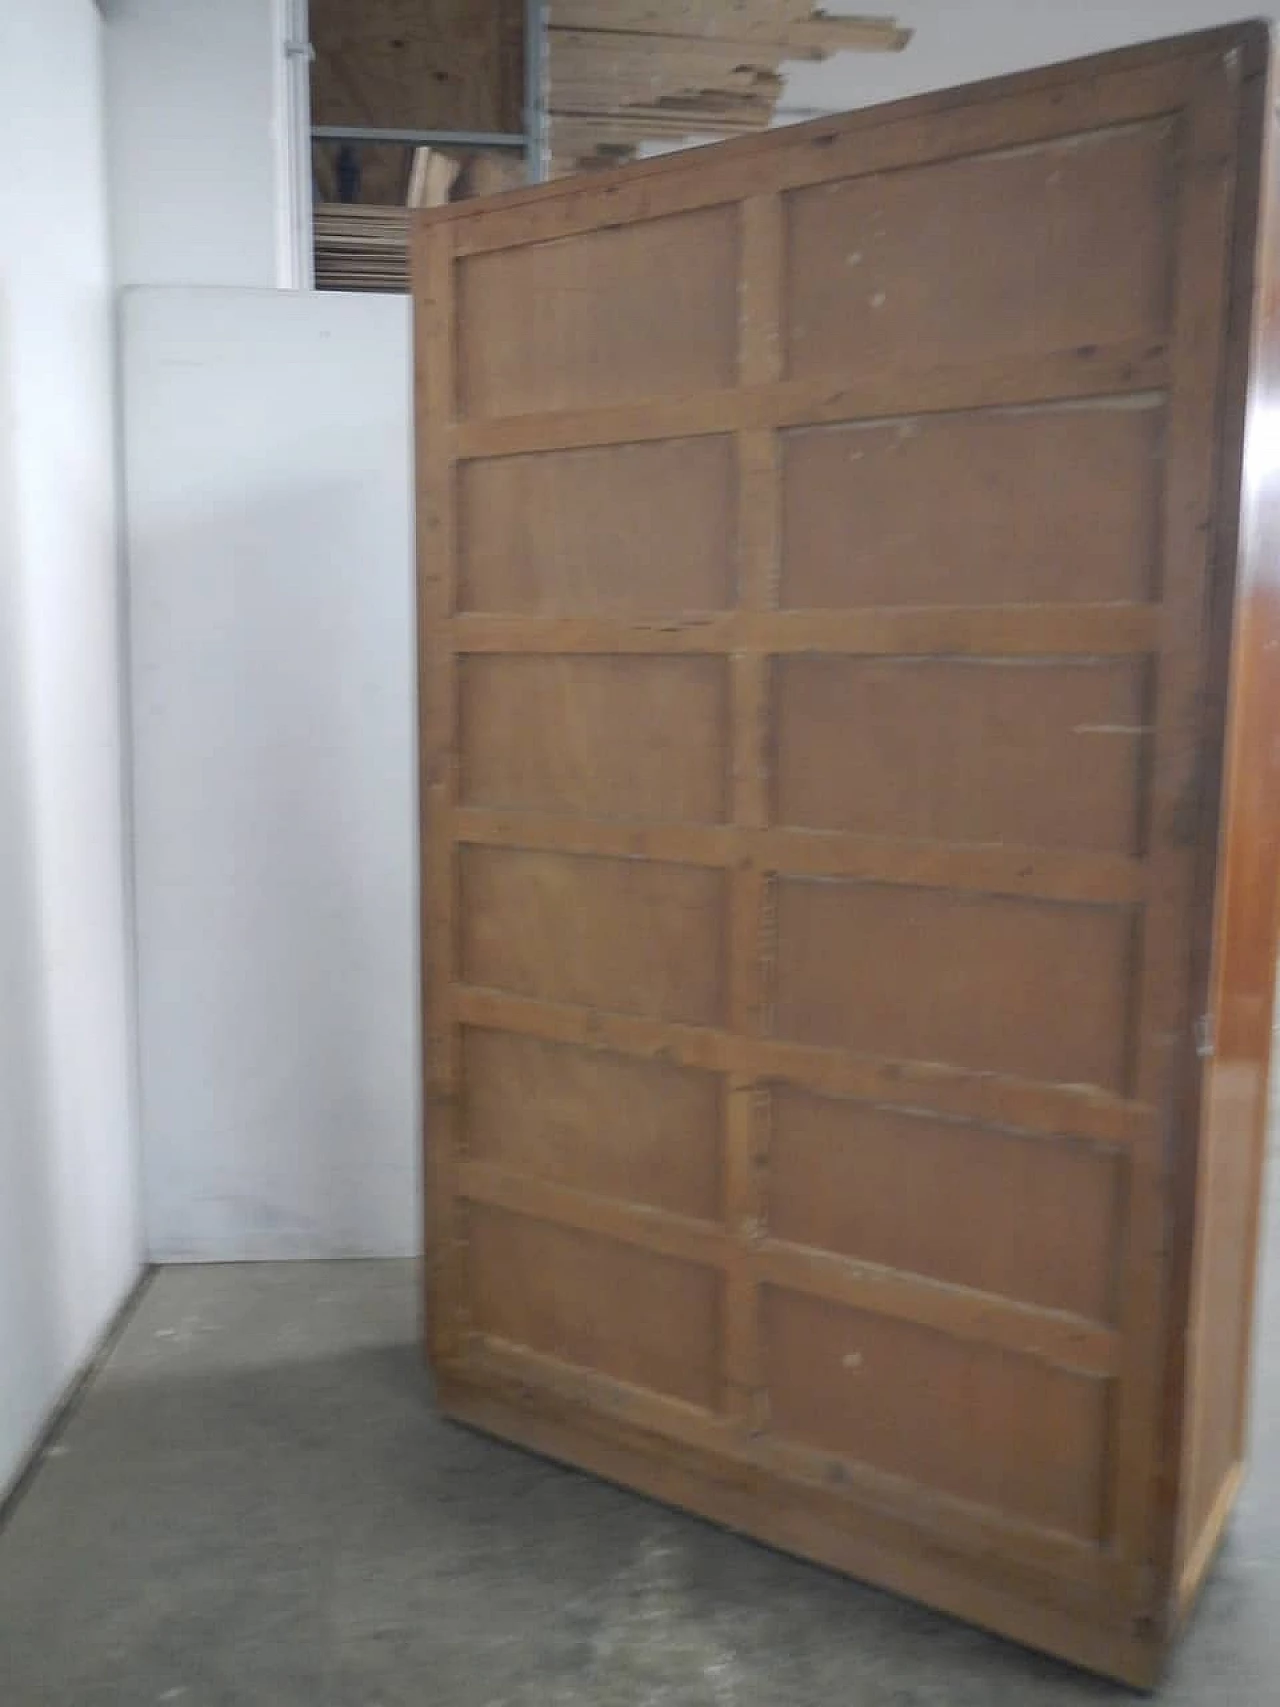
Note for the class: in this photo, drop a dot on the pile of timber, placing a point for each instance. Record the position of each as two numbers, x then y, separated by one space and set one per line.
365 245
640 71
361 247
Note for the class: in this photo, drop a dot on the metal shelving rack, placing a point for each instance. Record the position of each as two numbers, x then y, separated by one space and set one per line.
531 141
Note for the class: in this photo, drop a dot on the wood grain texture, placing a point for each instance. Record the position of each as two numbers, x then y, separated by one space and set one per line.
838 657
1121 372
1046 1432
645 1318
1021 505
902 272
623 74
994 985
912 1192
987 1097
632 936
1224 1183
540 328
418 64
435 390
750 893
958 752
990 868
569 531
995 631
1182 757
594 1121
634 738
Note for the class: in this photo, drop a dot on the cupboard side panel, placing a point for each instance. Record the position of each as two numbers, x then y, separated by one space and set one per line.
1228 1186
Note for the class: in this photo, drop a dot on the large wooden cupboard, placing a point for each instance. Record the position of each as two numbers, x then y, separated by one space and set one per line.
850 671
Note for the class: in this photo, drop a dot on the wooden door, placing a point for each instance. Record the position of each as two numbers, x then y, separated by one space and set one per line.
816 543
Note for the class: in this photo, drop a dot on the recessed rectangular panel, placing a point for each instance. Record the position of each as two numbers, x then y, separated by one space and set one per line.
1035 989
1039 753
642 1131
609 316
601 736
952 1416
991 256
653 1321
1035 1219
1006 506
616 530
634 936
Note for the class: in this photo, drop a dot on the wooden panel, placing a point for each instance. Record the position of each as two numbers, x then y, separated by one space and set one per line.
1001 986
979 1425
608 316
824 688
638 937
1225 1187
571 532
651 1321
596 1122
1227 1254
984 257
1004 506
959 752
610 737
418 64
1002 1212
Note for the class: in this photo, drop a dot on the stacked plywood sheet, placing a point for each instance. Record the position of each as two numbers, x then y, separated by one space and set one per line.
650 70
364 246
361 247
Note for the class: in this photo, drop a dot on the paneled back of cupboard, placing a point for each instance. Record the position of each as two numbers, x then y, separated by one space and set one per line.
850 661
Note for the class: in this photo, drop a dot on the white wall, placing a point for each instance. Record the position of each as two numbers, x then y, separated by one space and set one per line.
269 498
208 186
69 1246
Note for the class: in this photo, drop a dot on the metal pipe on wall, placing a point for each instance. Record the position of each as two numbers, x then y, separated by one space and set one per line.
535 66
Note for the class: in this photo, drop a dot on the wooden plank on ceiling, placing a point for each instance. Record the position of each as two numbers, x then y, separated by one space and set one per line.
662 70
743 20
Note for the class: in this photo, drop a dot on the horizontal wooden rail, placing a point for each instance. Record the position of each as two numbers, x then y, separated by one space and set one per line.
977 632
658 1230
1048 874
820 152
988 1099
1120 371
536 1379
1048 1336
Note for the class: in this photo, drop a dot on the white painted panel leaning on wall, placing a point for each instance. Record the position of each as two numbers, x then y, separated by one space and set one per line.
268 447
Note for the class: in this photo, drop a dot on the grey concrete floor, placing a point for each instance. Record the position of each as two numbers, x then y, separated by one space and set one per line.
255 1503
